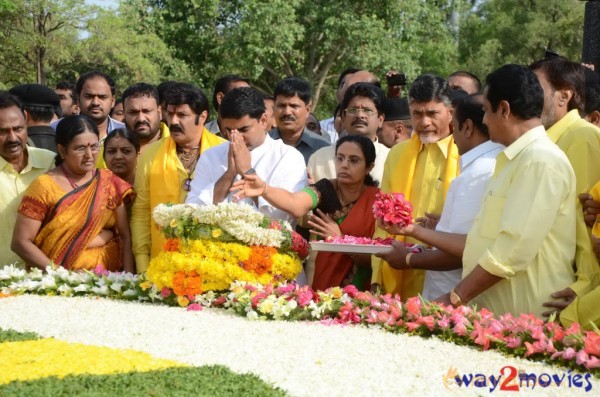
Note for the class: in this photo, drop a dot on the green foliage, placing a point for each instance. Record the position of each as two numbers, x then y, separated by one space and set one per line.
201 381
9 335
517 31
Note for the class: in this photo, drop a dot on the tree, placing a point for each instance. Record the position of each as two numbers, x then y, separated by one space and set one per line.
518 31
316 40
32 31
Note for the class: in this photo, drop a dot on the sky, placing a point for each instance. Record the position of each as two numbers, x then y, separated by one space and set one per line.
104 3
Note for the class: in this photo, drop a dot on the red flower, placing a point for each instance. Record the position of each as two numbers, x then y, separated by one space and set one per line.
393 209
591 345
299 245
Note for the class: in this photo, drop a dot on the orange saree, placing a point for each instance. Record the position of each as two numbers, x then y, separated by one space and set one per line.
71 221
331 268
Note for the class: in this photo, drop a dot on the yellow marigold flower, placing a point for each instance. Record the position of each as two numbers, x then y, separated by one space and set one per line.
173 223
145 285
336 292
183 301
216 233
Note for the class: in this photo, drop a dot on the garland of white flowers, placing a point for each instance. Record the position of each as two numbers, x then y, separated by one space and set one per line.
238 219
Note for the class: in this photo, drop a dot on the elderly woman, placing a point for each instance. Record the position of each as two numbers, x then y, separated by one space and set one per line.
74 215
343 207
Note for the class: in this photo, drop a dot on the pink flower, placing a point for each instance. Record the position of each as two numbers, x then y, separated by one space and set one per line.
444 322
481 336
413 305
351 290
591 344
100 270
593 362
219 301
304 298
165 292
567 354
582 357
393 209
427 321
411 325
284 289
513 342
195 307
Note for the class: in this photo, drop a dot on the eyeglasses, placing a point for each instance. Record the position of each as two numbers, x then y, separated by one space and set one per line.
355 111
351 160
81 150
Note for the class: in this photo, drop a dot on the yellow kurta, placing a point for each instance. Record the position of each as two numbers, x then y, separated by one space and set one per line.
12 188
155 183
525 230
436 165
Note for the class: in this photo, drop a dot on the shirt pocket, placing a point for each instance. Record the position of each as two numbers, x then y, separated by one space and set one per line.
493 207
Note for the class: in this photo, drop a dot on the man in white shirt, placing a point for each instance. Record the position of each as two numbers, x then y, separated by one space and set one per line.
362 114
463 201
250 150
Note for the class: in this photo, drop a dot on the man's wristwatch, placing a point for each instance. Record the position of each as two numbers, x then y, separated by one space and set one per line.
250 171
455 299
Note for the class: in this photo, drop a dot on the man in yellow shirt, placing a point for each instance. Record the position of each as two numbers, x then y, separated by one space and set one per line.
563 82
421 168
522 244
166 168
19 166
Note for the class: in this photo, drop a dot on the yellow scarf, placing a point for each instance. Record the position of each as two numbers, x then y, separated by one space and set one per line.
410 282
595 192
167 176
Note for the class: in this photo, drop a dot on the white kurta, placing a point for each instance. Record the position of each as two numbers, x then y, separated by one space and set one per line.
462 204
276 163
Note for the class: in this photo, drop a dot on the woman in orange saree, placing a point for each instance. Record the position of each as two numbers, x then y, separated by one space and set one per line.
343 206
74 216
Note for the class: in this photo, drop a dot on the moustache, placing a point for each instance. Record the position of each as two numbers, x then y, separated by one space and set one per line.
287 118
175 128
139 123
13 143
360 122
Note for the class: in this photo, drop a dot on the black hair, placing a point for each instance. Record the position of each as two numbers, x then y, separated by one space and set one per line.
139 90
41 113
118 101
563 74
123 133
65 85
428 87
368 149
345 73
71 126
8 100
224 85
187 94
163 88
464 73
592 98
92 75
367 90
242 101
337 110
291 86
519 86
470 107
457 95
268 97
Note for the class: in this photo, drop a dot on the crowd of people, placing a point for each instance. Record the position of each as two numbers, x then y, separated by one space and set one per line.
501 176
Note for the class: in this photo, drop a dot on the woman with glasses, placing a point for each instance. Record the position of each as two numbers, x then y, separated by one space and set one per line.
341 206
74 215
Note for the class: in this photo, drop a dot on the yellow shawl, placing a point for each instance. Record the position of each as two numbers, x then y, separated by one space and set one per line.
166 179
595 192
410 282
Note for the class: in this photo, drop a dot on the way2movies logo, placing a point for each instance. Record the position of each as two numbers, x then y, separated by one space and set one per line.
511 379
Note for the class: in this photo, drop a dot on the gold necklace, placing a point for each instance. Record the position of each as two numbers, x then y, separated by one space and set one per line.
189 159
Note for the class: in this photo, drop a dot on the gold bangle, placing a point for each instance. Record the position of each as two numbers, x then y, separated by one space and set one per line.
264 191
407 259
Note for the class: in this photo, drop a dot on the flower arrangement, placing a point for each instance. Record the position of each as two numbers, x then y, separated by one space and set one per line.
209 247
393 209
522 336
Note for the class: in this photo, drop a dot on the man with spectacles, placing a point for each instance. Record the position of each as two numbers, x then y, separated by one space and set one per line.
19 166
362 114
421 168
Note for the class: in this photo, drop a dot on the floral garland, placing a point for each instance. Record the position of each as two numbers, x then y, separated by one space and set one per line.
209 247
523 336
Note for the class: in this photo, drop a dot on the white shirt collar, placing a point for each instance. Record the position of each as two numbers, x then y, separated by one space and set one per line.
478 151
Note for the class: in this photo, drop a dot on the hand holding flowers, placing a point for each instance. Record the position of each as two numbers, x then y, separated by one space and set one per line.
393 210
